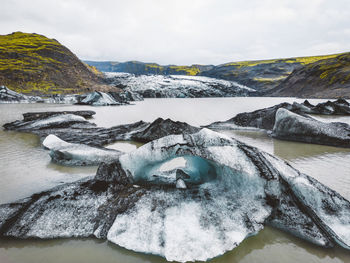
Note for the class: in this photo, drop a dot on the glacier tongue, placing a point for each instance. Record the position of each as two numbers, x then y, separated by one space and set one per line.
178 86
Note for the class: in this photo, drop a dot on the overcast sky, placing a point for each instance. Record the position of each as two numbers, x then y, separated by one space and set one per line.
185 31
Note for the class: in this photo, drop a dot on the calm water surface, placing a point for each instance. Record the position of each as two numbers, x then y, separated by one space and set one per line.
25 168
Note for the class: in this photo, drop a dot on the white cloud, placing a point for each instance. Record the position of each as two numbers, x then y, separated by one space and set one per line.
185 32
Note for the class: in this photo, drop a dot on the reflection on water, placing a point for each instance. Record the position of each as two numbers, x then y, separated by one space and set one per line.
272 245
25 168
296 150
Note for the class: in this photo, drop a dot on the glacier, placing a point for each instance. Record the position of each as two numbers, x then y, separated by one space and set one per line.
177 86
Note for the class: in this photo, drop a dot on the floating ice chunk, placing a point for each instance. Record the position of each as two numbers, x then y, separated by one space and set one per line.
326 207
99 99
53 142
55 121
77 154
293 127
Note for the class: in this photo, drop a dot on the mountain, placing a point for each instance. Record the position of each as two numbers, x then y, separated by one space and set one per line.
261 75
141 68
328 78
33 64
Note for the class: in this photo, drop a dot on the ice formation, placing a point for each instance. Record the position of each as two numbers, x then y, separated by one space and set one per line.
178 86
99 99
291 126
185 197
77 154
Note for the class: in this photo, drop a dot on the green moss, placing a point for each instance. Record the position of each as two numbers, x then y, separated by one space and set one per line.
299 60
272 79
154 68
188 70
25 52
34 64
93 69
324 74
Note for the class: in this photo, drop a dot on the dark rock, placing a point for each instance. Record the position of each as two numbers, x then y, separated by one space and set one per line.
112 172
338 107
160 128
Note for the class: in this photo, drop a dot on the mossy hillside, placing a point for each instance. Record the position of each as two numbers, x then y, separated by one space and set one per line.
36 65
297 60
263 75
328 78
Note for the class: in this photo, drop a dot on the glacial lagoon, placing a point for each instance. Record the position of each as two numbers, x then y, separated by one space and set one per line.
26 168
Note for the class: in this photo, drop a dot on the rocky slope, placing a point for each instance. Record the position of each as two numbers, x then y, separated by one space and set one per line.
328 78
33 64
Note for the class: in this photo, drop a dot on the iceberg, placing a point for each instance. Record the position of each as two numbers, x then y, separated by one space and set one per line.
185 197
293 127
98 98
77 154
